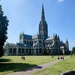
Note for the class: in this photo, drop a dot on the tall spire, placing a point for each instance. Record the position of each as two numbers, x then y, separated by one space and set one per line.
66 41
43 16
43 28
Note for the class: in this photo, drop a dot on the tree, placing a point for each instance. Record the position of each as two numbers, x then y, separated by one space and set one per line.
73 50
3 30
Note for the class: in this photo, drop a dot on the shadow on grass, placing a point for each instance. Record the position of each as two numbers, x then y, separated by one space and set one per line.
15 66
4 60
35 67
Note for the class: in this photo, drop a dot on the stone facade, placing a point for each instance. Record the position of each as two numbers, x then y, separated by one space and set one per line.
39 44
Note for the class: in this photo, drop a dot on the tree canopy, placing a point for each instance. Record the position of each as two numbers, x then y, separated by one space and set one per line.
73 50
3 30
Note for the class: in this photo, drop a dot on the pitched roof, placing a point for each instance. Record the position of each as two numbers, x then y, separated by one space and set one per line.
61 43
27 36
11 44
50 38
20 44
35 36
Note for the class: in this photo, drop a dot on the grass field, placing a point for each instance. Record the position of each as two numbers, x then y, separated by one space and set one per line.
66 65
15 63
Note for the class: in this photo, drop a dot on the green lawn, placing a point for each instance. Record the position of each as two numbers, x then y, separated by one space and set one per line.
65 65
15 63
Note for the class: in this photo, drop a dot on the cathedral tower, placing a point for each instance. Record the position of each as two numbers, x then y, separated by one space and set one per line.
43 28
67 44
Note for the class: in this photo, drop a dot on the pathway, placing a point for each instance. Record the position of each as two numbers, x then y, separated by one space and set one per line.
35 69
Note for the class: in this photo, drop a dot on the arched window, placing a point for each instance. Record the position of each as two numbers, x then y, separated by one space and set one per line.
14 50
22 50
10 50
40 50
26 50
19 50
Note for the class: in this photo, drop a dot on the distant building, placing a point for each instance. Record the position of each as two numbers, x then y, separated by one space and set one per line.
39 44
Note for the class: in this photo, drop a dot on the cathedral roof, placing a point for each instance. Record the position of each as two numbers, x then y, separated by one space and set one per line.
11 44
20 44
27 36
35 36
50 38
61 43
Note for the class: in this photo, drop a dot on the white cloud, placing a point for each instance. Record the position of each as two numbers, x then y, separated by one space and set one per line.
60 0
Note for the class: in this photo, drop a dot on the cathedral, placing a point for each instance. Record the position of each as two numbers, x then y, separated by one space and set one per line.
39 44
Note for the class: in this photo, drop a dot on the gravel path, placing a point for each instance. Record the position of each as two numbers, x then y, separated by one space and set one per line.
35 69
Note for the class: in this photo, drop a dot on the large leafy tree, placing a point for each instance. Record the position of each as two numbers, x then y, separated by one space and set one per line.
3 30
73 50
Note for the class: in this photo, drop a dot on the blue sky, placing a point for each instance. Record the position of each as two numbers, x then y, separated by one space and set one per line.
24 16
